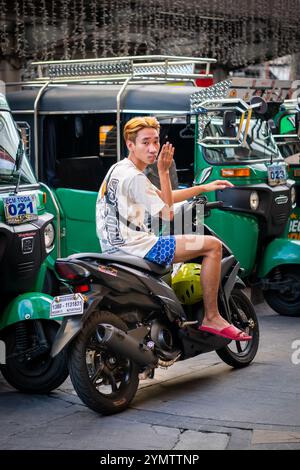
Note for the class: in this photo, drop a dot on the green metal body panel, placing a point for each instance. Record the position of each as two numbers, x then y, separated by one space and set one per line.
286 122
80 220
77 210
279 252
29 306
292 230
239 232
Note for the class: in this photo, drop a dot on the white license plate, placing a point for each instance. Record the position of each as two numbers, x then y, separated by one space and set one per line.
64 305
277 174
19 209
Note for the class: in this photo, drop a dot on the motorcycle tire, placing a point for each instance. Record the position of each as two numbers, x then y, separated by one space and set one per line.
288 303
41 374
105 382
240 354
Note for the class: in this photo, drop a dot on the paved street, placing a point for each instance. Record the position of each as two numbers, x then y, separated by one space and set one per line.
197 404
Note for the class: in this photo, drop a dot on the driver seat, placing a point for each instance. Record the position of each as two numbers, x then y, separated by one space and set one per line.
125 259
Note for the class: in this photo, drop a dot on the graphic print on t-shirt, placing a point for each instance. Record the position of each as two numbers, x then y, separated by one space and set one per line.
112 223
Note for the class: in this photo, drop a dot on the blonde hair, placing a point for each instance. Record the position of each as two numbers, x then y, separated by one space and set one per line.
135 124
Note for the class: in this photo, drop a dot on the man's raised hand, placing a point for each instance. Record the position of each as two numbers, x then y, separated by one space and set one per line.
165 158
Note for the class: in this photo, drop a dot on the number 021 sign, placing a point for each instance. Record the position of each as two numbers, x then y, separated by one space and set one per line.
20 209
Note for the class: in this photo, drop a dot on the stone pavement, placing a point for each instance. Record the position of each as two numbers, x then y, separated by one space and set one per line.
198 404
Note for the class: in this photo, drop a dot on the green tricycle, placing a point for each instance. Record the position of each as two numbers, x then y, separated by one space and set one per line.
234 138
27 237
287 136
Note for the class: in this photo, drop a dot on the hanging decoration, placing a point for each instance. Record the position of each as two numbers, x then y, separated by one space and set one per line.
235 32
4 42
95 27
65 14
53 29
45 29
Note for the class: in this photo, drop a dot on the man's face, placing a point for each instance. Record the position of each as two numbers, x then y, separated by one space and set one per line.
146 146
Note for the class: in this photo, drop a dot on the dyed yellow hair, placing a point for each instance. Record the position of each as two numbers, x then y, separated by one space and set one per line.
135 124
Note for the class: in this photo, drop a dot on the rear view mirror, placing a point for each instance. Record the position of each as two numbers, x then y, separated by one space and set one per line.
297 122
259 105
229 127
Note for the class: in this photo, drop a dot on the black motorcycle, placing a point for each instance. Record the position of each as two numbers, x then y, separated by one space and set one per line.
122 318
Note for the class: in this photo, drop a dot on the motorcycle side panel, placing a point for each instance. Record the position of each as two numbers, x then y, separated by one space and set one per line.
29 306
281 251
68 330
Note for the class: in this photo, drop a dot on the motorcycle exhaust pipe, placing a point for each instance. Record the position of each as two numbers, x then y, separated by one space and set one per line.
121 343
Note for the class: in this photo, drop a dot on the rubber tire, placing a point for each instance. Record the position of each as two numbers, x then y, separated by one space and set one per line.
22 378
230 357
79 373
276 302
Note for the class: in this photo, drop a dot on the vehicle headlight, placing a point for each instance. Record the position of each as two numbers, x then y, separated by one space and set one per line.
49 235
254 200
293 195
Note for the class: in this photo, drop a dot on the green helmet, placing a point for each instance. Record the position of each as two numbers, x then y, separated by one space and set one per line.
186 283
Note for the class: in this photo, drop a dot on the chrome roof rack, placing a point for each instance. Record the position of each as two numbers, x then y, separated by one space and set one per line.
155 69
118 69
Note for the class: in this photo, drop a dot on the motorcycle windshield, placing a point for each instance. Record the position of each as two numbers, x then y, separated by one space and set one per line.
10 148
260 144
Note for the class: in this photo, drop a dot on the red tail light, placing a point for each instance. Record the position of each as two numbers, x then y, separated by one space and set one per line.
71 271
82 288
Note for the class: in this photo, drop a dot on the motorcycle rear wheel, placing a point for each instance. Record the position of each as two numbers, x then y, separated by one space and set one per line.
41 374
104 381
240 354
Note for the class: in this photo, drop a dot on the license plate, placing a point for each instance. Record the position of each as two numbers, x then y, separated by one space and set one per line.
277 174
19 209
64 305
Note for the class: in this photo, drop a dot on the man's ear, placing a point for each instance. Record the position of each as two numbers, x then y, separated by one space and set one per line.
129 145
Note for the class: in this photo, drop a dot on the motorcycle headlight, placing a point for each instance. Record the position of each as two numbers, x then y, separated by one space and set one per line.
254 200
293 195
49 235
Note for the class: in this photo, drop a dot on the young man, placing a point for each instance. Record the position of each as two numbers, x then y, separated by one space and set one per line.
126 196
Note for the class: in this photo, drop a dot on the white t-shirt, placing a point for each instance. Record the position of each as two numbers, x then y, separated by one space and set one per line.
123 204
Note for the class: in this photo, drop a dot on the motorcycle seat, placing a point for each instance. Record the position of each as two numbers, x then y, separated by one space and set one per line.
126 259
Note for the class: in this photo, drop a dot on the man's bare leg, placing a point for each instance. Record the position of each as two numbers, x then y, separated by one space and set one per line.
192 246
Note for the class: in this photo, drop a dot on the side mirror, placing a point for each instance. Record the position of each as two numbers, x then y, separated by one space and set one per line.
229 128
205 174
259 105
20 151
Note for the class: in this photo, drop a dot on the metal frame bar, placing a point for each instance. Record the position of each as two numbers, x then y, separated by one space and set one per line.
57 218
36 139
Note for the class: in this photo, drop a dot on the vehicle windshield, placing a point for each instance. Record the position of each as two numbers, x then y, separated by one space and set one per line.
10 148
261 145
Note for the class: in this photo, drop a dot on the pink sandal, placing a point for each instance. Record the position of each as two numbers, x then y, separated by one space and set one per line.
230 332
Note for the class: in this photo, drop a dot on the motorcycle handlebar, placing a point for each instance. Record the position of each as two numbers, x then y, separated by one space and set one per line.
214 205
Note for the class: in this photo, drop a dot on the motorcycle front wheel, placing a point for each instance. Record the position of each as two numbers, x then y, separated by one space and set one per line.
240 354
104 381
26 370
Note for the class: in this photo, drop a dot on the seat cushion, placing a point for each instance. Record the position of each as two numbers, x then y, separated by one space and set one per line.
128 260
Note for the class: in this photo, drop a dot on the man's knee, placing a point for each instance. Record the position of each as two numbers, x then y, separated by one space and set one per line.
216 247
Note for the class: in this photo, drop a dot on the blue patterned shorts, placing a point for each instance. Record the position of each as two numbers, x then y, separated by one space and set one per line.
163 251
